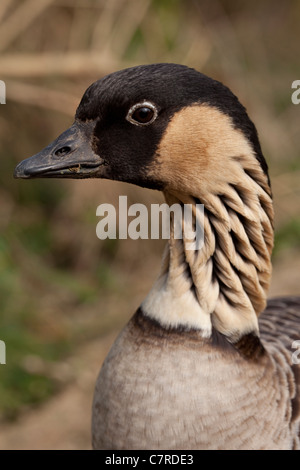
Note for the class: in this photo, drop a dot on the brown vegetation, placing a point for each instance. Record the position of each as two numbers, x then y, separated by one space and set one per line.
60 287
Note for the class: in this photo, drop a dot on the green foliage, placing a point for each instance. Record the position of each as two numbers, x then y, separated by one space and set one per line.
287 236
19 387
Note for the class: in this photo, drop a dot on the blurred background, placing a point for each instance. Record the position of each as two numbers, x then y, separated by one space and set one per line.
64 294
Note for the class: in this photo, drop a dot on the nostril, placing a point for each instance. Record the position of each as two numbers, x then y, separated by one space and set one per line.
63 151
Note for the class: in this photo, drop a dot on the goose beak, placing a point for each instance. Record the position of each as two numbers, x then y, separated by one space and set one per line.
69 156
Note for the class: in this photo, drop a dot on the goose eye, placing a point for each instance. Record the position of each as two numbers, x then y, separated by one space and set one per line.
142 114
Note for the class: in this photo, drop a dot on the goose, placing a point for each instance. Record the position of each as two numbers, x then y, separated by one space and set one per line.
205 362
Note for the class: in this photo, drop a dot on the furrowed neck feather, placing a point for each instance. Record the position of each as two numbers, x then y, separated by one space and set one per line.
224 284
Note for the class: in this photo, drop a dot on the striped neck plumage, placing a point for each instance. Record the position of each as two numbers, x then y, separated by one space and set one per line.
223 285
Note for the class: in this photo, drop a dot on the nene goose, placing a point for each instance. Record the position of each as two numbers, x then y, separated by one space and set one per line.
195 368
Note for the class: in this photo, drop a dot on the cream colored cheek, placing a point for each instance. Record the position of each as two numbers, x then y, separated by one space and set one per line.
196 148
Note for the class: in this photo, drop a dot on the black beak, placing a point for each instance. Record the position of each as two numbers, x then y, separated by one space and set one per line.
69 156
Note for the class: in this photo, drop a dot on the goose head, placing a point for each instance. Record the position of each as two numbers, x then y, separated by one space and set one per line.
171 128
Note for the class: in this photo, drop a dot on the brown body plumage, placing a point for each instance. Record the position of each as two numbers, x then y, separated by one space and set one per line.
181 391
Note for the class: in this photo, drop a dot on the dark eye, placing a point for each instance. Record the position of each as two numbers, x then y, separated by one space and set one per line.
142 114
